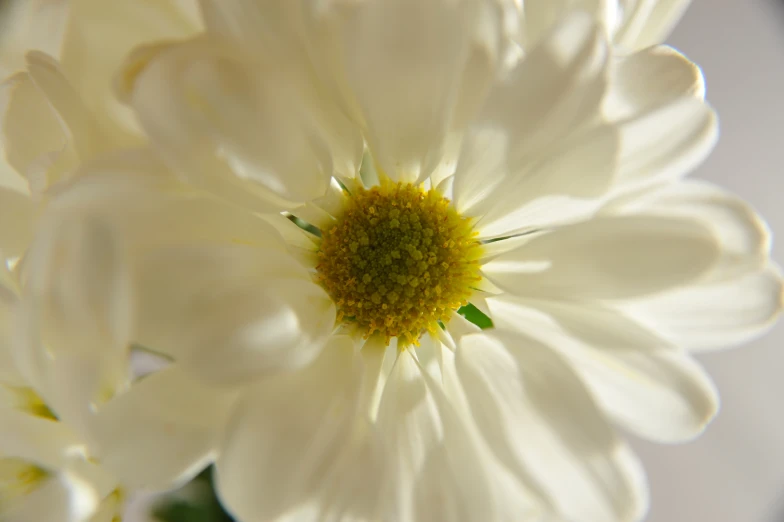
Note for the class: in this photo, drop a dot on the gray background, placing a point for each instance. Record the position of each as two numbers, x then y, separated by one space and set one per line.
735 471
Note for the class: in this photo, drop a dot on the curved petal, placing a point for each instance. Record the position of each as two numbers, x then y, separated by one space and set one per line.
639 380
150 208
540 15
249 131
553 93
17 217
409 421
648 22
36 143
541 422
665 142
744 238
44 442
10 179
98 36
607 258
163 431
649 78
75 319
715 314
410 85
60 498
319 459
77 271
279 327
83 130
31 25
9 372
231 313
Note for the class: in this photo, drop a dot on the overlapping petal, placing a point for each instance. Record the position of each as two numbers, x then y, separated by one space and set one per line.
607 258
319 459
162 431
541 422
639 379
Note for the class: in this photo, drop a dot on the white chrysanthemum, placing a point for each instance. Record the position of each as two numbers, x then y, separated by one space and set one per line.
63 327
545 192
48 472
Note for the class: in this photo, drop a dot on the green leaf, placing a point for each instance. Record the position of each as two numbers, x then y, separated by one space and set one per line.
185 508
476 316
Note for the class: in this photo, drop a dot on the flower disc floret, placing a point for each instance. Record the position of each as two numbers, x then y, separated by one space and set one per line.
398 260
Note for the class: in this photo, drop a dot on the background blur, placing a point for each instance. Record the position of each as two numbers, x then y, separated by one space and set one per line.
735 472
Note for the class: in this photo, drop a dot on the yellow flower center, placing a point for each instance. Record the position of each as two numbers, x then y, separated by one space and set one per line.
398 261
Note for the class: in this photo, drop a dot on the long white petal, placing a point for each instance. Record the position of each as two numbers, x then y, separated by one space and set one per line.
542 423
162 431
318 459
639 379
607 258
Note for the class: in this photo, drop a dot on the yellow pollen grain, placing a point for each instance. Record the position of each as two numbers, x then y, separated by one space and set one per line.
398 260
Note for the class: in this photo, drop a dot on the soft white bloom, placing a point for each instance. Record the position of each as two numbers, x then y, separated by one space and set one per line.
58 114
428 161
545 182
64 315
47 469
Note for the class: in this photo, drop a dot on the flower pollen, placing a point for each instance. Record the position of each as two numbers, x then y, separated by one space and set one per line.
398 261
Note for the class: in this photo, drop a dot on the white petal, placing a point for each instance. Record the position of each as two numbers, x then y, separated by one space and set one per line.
99 36
162 431
406 82
75 321
35 141
743 236
61 498
77 271
607 258
540 15
410 423
525 127
564 186
459 479
232 313
44 442
9 372
649 22
31 25
317 459
17 217
226 125
640 380
666 142
649 78
542 423
10 178
150 208
716 314
47 75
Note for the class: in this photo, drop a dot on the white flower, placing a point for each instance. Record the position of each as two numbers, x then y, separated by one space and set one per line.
48 472
63 328
439 163
550 184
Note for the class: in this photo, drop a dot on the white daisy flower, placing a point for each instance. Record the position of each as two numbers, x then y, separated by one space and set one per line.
324 366
47 471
